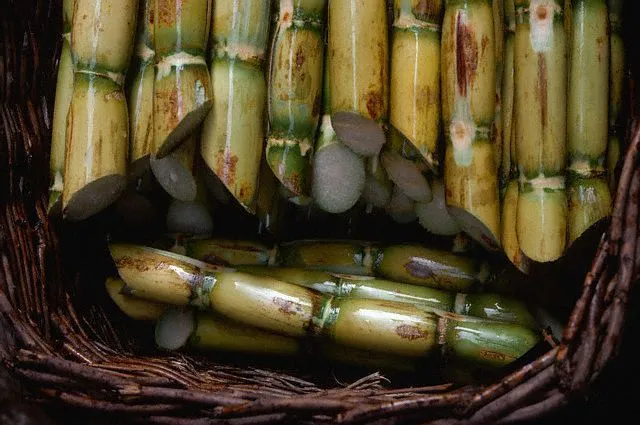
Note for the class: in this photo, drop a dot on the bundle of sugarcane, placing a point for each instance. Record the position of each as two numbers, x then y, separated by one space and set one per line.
265 303
182 91
589 198
177 328
415 75
295 84
97 134
233 133
414 264
469 109
64 90
355 103
484 305
540 128
616 84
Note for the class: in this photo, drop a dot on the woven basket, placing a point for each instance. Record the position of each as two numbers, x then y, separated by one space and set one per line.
58 338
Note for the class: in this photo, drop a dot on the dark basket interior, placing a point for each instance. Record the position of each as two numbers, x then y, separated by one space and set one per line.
70 347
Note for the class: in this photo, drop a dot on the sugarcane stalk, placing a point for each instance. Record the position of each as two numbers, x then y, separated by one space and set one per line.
469 108
64 90
489 306
97 134
230 252
616 84
508 166
182 89
540 122
135 308
140 90
380 326
415 264
589 198
233 132
358 66
497 6
415 75
295 84
509 171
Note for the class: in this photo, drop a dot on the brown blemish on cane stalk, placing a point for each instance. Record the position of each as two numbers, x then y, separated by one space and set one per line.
130 262
419 270
374 105
411 332
493 355
168 11
286 307
542 12
226 163
426 9
466 55
299 58
169 103
542 88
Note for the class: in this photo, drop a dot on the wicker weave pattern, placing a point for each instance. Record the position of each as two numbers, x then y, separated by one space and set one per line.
83 362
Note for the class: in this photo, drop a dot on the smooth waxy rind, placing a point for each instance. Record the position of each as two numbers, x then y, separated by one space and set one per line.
469 109
97 136
295 82
415 75
102 35
357 58
233 132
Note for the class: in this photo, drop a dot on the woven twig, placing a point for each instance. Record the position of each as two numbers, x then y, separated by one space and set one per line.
83 361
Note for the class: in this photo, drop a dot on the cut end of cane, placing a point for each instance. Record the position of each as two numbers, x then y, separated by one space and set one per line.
94 197
407 176
434 216
475 228
338 178
362 135
401 208
174 178
190 218
174 328
184 129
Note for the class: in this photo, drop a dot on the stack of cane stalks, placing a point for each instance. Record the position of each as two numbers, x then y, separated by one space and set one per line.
492 121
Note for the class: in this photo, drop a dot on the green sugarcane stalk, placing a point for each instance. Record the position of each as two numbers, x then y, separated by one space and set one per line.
64 90
508 166
499 34
380 326
489 306
540 121
140 88
509 171
233 132
616 89
589 198
135 308
182 88
469 110
97 133
358 65
295 84
414 264
415 75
